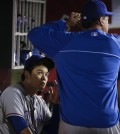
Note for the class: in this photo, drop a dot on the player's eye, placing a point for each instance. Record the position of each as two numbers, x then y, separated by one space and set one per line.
46 74
40 73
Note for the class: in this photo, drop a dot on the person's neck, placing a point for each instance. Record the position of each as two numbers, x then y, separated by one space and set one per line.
30 91
95 27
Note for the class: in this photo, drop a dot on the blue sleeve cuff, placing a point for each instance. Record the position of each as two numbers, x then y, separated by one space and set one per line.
18 123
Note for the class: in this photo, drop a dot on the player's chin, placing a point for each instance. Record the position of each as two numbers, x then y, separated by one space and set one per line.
42 86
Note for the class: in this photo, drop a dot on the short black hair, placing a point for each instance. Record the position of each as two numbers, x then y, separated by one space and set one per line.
37 60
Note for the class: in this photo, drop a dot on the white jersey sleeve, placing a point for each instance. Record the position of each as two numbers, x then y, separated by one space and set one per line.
12 102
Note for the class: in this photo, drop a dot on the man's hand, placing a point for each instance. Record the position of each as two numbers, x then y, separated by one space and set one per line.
73 20
54 96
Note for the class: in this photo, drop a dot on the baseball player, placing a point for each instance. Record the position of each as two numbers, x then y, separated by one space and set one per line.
87 65
21 110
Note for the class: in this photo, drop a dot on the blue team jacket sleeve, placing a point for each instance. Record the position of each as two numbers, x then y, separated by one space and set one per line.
51 37
18 123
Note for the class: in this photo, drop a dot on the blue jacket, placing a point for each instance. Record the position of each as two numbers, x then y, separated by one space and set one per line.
87 65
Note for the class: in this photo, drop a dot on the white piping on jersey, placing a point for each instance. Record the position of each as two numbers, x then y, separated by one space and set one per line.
14 114
78 51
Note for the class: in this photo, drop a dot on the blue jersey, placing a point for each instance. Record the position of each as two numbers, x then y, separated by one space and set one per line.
87 65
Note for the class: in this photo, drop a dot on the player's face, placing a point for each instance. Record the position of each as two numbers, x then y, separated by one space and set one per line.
39 77
105 23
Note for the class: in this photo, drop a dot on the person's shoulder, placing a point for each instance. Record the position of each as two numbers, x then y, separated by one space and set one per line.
113 36
11 90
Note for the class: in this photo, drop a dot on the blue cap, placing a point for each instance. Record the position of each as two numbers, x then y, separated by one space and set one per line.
94 9
36 60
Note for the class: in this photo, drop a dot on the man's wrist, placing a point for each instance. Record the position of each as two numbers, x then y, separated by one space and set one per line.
68 25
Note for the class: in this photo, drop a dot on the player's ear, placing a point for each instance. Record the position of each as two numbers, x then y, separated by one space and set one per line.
101 20
27 74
